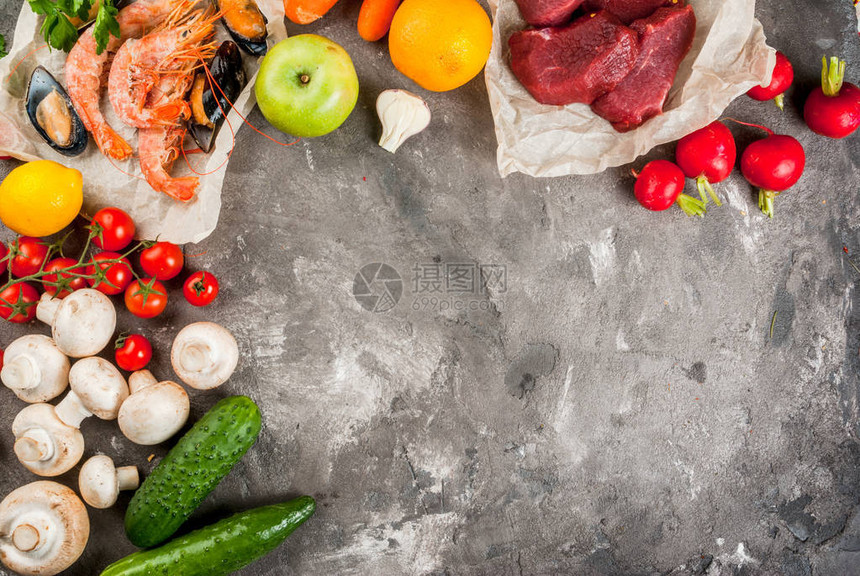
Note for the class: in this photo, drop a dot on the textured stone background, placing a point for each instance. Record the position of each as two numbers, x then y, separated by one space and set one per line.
620 409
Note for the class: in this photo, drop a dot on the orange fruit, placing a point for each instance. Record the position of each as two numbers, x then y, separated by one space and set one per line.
440 44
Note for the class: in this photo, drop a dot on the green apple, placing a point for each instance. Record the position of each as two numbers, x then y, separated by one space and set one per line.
306 86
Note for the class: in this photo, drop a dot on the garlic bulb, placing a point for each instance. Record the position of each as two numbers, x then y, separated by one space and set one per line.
403 115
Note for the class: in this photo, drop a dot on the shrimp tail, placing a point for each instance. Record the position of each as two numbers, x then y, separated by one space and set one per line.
182 189
159 148
112 144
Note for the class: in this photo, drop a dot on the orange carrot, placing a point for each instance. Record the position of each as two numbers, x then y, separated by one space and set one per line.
307 11
375 18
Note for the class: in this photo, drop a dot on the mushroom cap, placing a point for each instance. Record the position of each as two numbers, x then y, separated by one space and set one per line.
35 369
84 323
100 386
204 355
44 444
44 528
98 483
155 413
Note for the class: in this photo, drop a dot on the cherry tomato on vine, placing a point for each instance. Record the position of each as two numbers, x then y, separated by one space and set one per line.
61 284
113 229
146 298
162 260
200 289
132 352
18 302
109 278
27 256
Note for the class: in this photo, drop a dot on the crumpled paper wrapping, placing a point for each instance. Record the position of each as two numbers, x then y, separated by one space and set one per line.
111 183
729 56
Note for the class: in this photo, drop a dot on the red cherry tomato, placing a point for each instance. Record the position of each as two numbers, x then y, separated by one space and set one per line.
162 260
132 352
146 298
200 289
27 256
4 260
113 228
2 354
18 302
109 278
61 284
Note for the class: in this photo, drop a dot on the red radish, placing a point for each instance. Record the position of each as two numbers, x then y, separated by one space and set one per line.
783 76
833 110
773 164
708 156
661 184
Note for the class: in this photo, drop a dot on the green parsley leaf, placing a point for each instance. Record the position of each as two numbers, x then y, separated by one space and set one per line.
106 25
59 32
2 46
42 6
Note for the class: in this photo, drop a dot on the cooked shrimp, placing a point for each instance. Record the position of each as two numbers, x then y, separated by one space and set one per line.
159 149
85 69
150 78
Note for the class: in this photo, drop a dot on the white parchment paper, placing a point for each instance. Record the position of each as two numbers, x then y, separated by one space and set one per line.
729 56
111 183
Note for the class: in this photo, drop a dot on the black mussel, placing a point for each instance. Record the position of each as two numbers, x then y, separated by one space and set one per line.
246 24
229 77
51 111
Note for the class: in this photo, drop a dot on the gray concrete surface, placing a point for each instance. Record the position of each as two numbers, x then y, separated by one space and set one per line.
619 407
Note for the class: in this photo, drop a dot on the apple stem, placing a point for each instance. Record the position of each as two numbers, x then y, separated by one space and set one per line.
305 78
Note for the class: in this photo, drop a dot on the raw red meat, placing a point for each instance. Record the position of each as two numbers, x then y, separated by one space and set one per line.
665 39
576 63
548 12
629 10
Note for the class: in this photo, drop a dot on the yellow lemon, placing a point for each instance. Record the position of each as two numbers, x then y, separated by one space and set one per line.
40 198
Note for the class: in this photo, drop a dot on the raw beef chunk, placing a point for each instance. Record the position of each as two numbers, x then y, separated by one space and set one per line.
548 12
576 63
665 39
629 10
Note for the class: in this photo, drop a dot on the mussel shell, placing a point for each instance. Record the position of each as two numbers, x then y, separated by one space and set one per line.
253 46
229 75
42 83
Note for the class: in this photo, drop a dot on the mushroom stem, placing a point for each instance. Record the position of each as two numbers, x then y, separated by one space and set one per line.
26 538
22 373
196 356
72 411
35 445
46 309
140 379
128 478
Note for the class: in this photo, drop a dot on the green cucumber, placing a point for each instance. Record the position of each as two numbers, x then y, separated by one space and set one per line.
191 470
221 548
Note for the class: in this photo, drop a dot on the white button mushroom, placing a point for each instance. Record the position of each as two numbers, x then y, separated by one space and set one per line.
155 411
44 529
100 481
97 388
82 323
35 369
44 444
204 355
